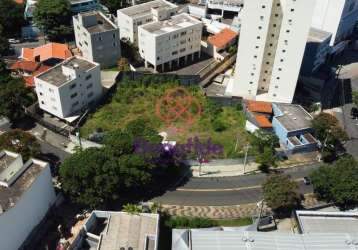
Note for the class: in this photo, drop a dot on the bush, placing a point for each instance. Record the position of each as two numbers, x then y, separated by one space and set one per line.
185 222
219 125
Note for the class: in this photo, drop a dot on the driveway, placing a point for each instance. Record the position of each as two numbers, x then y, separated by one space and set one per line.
228 190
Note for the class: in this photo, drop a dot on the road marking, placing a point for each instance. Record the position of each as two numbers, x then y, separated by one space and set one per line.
225 189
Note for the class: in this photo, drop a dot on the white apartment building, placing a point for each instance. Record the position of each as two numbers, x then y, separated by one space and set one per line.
169 42
130 18
271 47
97 38
26 194
69 88
337 17
224 5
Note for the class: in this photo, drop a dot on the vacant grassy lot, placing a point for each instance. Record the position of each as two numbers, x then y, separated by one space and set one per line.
139 99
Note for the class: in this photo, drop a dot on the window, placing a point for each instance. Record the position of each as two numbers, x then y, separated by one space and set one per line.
287 31
260 27
283 51
114 44
182 50
100 38
258 37
267 63
90 86
73 95
75 104
251 82
271 44
292 10
263 6
264 80
281 60
257 47
88 77
255 56
276 86
279 69
278 78
272 35
90 95
72 86
42 102
86 43
276 15
174 53
114 35
41 93
274 25
183 33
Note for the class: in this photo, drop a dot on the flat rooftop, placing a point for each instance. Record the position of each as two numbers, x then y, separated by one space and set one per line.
6 160
317 35
145 8
175 23
102 24
120 230
56 76
294 117
329 222
10 195
249 240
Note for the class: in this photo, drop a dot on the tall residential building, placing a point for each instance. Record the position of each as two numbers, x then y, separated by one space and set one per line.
163 43
69 88
97 38
271 47
26 195
130 18
337 17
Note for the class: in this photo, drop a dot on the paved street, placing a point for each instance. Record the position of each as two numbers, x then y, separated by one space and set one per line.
228 190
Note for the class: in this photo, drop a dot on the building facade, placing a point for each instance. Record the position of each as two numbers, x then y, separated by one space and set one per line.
337 17
129 19
26 194
69 88
174 41
272 41
316 52
97 38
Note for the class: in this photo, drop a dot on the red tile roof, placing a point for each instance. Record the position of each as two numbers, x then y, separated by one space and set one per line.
47 51
25 65
19 1
263 122
30 81
258 106
222 38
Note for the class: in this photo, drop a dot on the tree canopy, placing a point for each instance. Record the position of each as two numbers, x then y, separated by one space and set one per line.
114 5
21 142
13 98
330 133
281 193
11 18
93 177
338 183
53 17
263 146
4 44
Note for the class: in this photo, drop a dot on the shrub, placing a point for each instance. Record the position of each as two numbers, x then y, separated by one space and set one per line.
219 125
185 222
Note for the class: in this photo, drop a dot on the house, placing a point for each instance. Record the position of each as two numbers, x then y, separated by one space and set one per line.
219 43
69 88
97 38
34 61
293 126
106 230
26 194
258 115
129 19
164 44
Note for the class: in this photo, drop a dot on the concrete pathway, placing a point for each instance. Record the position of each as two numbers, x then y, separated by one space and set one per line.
227 212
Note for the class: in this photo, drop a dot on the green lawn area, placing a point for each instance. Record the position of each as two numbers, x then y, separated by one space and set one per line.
234 222
138 99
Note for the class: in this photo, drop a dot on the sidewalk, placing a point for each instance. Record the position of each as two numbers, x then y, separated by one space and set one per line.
227 212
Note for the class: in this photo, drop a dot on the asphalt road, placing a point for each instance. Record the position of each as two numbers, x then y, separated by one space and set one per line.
228 190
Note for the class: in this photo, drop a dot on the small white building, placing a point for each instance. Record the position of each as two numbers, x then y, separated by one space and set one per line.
69 88
97 38
26 194
224 5
129 19
107 230
174 41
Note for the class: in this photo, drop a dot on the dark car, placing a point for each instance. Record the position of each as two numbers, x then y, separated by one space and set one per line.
306 180
354 113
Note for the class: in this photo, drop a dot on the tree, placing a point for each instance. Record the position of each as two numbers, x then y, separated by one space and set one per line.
13 98
20 142
54 17
11 18
281 193
114 5
141 128
338 182
4 44
330 133
263 146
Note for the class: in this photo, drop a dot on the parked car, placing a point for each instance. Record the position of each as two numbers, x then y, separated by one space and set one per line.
306 180
354 113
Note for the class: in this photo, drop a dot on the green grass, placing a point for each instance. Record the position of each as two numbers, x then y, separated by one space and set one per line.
234 222
138 99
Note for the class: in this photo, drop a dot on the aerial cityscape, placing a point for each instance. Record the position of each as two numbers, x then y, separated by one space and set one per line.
179 124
